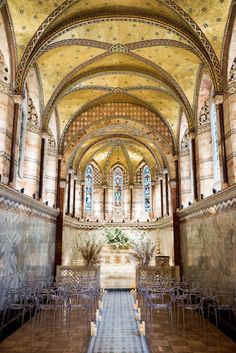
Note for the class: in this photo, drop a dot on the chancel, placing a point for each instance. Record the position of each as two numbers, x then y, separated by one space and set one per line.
117 176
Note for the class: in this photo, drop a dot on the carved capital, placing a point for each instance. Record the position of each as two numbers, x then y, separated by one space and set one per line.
44 135
192 134
60 156
175 157
218 98
165 171
18 98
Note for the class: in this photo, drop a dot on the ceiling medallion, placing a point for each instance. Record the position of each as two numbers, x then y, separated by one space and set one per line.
118 49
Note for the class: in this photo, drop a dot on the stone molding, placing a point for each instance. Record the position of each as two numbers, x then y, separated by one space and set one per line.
162 223
222 201
11 199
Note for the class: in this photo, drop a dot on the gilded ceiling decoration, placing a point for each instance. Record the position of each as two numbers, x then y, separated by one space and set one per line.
144 53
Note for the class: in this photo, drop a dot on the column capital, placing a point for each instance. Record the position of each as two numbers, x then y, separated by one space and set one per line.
18 98
175 157
131 186
153 183
165 171
60 156
104 186
44 135
218 98
192 134
160 176
71 170
63 183
173 184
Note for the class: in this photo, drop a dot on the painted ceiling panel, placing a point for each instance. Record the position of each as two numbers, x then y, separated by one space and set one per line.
27 16
55 64
183 65
152 6
120 31
211 17
122 80
74 101
166 105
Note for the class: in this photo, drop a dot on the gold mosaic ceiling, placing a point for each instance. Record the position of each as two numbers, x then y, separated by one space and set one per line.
148 50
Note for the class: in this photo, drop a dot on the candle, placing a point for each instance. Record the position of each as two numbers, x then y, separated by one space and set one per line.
144 329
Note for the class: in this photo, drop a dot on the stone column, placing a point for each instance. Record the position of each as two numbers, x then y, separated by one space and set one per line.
104 202
153 199
218 100
165 172
82 199
69 191
176 224
58 180
74 196
13 162
176 159
59 228
192 136
160 177
131 188
42 165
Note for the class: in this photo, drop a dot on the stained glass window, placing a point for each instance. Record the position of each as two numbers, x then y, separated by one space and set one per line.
88 188
147 188
215 145
118 183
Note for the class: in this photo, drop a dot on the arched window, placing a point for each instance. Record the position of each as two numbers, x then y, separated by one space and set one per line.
89 188
215 146
118 185
147 188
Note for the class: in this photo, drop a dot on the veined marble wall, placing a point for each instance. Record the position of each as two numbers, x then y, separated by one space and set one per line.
27 240
208 239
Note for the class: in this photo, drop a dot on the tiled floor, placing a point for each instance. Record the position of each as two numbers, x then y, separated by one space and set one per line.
195 338
44 338
118 332
47 337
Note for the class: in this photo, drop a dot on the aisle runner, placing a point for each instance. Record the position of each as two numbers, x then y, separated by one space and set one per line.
118 331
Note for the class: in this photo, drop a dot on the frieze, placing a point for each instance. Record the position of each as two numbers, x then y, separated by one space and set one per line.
14 201
222 201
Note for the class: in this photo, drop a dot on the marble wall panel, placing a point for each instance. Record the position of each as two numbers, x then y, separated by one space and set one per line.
27 245
208 247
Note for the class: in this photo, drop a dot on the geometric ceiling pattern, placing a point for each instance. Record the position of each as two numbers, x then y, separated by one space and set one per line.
94 52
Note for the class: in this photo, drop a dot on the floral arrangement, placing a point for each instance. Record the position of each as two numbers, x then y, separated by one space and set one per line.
117 238
90 246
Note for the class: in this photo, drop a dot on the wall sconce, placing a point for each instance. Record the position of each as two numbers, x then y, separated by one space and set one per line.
22 190
87 219
34 196
202 196
181 206
189 203
111 220
137 220
214 191
46 203
157 219
123 221
78 218
97 220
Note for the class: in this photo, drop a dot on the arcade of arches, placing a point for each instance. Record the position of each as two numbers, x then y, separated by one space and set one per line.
118 114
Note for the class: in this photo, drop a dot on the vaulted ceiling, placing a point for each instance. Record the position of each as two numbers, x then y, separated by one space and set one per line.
146 53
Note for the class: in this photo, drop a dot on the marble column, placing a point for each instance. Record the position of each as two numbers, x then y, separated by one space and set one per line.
192 136
218 100
131 188
42 165
165 172
59 229
82 199
104 202
176 159
69 191
153 199
176 224
58 180
160 178
74 196
16 117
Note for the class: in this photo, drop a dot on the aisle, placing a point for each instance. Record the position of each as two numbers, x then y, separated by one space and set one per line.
118 330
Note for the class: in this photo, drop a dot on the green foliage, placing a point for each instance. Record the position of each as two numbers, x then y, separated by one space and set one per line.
117 238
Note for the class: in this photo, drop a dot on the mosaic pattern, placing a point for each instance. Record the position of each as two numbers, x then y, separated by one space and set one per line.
118 332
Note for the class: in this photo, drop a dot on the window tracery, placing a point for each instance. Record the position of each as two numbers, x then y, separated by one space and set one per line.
118 187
